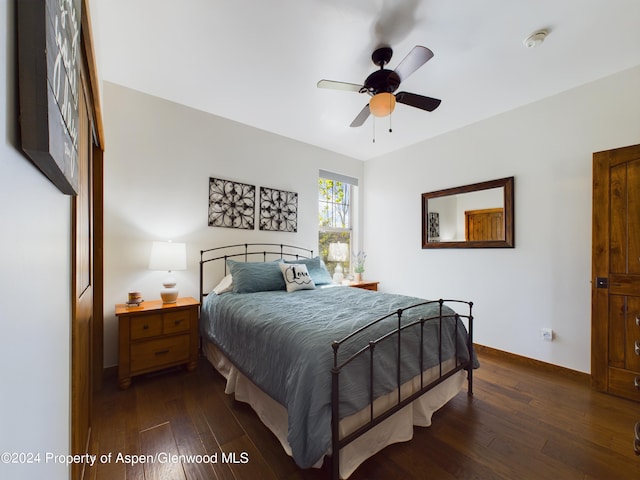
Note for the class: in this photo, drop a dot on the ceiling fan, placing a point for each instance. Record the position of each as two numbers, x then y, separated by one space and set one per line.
382 84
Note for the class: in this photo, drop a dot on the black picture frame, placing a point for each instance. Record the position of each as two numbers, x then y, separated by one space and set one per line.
49 38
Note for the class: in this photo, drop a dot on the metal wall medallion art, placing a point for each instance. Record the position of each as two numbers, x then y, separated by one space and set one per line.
434 227
278 210
231 204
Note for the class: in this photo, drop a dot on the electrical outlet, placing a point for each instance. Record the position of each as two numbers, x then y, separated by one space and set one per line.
547 334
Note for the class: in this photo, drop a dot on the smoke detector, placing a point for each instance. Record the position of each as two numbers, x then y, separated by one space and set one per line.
535 39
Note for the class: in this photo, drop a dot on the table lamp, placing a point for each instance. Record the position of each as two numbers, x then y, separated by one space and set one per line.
168 256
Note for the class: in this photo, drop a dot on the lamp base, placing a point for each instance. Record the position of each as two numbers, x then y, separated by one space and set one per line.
338 274
169 294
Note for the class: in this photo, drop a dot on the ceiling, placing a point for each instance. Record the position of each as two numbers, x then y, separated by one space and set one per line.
258 62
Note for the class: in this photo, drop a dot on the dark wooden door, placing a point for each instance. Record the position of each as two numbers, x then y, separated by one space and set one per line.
486 224
615 336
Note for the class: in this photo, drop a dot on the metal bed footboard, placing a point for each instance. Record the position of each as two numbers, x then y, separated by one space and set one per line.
338 443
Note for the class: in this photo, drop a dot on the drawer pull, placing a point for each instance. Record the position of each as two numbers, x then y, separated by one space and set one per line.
177 322
638 319
162 352
636 382
636 441
145 327
636 347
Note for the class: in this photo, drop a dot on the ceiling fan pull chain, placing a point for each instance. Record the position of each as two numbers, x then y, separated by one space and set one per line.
374 129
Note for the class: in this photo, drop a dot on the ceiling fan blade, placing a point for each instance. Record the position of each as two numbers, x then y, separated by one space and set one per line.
350 87
362 116
425 103
417 57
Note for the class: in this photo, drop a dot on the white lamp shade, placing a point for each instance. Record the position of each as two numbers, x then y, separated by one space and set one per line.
338 252
168 256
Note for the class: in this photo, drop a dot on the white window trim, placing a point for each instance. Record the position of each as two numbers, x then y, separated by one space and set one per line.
354 209
338 177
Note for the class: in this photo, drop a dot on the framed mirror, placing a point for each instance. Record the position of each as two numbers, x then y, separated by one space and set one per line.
480 215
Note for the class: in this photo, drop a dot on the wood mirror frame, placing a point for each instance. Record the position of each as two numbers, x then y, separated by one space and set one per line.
508 215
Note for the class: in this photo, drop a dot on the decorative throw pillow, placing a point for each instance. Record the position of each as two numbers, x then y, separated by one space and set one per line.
256 276
225 285
316 268
296 277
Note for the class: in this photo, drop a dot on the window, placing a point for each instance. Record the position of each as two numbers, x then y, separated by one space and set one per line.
335 219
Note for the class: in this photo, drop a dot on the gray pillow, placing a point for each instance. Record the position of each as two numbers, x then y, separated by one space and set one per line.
256 276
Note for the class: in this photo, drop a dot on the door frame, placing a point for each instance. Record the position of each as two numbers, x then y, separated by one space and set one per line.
95 146
97 174
600 269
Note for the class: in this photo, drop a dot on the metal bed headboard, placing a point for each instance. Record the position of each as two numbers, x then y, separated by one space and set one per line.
248 252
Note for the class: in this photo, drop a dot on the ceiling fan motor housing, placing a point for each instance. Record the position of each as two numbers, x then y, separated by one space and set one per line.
382 81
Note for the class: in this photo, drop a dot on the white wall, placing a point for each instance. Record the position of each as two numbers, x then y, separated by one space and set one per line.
35 281
545 280
158 159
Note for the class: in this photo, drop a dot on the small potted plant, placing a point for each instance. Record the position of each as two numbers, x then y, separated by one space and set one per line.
358 264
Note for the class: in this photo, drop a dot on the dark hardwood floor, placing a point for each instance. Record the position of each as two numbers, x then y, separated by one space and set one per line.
522 423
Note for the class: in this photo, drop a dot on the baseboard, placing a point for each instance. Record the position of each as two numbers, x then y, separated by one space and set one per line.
540 365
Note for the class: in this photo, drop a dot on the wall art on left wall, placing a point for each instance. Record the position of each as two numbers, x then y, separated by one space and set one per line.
49 81
231 204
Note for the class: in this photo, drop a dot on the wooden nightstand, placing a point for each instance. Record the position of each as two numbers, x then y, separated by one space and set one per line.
154 336
365 284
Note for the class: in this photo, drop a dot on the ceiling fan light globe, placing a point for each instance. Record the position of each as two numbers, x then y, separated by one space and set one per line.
382 104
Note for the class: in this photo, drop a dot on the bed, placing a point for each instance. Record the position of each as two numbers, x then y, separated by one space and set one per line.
328 368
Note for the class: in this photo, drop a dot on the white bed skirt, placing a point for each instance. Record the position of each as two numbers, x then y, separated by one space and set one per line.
397 428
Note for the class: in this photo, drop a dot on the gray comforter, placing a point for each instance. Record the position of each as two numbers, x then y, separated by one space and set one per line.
282 342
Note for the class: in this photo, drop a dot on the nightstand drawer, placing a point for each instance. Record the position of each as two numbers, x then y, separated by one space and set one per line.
175 322
145 326
163 351
155 335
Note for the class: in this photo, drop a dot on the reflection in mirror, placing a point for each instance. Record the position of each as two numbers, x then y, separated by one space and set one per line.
472 216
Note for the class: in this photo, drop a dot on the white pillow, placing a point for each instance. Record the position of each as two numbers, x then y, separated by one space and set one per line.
296 277
225 285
